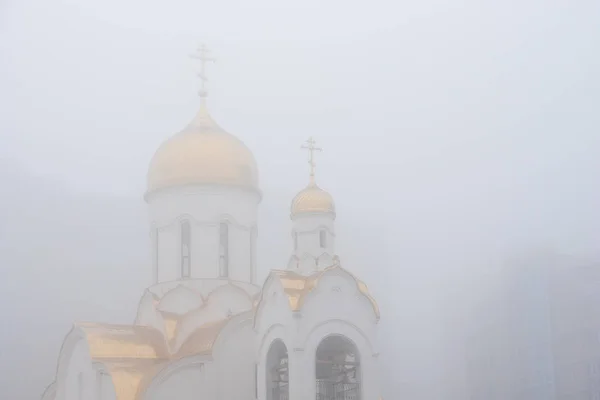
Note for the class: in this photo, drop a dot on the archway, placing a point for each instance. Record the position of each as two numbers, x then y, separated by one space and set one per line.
337 370
277 372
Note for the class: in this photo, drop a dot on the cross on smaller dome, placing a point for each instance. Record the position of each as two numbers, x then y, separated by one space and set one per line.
312 199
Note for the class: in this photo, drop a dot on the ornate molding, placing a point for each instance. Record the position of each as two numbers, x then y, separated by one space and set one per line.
195 189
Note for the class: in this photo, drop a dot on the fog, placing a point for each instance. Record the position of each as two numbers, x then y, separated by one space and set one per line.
456 136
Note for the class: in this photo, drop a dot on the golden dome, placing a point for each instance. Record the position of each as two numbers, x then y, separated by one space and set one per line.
312 199
203 153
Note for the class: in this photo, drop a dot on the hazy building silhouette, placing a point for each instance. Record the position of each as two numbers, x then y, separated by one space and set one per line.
532 333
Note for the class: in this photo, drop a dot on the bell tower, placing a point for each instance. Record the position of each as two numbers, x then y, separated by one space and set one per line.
313 229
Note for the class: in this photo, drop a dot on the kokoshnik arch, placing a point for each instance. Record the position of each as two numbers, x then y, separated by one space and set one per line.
206 329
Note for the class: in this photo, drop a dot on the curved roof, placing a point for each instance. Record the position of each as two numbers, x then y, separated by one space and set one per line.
203 153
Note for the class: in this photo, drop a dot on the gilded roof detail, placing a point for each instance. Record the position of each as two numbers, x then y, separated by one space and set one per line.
123 341
131 378
171 324
135 354
296 287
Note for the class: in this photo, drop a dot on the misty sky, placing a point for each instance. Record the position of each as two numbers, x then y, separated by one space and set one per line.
457 108
451 129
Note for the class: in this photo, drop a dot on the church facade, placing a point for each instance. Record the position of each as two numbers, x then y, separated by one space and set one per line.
206 329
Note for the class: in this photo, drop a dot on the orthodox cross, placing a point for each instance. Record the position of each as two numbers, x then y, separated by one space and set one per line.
310 146
202 55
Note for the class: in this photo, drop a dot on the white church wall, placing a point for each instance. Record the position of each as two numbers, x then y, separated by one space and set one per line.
183 380
337 297
105 389
76 378
234 358
240 260
168 252
307 264
205 250
206 207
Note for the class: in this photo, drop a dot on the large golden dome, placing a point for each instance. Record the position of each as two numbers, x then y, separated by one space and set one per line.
312 199
203 153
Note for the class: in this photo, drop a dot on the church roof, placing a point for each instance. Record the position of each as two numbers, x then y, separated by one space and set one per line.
178 320
134 355
131 354
107 341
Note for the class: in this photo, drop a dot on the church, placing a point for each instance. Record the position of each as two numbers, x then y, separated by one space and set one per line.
207 329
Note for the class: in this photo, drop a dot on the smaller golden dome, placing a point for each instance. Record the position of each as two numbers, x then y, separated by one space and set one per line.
312 199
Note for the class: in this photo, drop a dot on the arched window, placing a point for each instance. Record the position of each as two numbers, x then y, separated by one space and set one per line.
277 372
295 241
186 253
337 370
224 250
323 238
